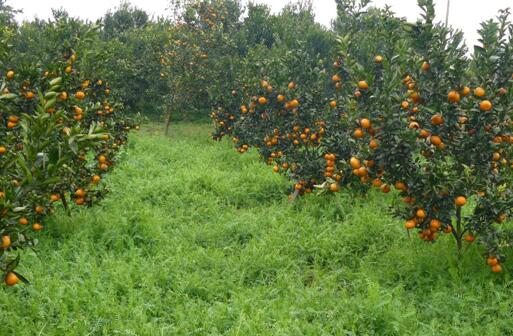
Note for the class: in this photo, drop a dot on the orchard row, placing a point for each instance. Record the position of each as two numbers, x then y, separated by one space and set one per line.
403 107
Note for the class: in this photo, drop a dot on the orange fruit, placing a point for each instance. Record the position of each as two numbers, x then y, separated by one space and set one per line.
469 238
460 201
385 188
373 144
365 123
80 192
425 66
400 186
496 268
465 91
336 78
435 224
420 213
377 182
378 59
10 74
358 133
262 100
485 105
436 140
355 163
492 261
362 85
479 92
37 227
281 98
6 242
410 224
11 279
453 97
334 187
437 119
23 221
80 95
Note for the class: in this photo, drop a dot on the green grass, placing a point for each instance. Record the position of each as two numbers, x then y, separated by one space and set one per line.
195 239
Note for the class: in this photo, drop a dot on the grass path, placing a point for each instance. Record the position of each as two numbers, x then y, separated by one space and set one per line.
195 239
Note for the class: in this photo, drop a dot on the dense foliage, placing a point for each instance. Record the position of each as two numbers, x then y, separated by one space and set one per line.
60 130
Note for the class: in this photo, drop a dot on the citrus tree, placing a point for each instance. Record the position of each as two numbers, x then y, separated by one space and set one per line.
60 133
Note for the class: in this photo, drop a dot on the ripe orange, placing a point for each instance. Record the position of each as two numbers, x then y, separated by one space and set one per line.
453 97
420 213
405 105
281 98
460 201
377 182
80 95
29 95
385 188
425 66
469 238
485 105
492 261
55 197
11 279
465 91
292 85
378 59
334 187
496 268
435 224
410 224
336 78
400 186
355 163
365 123
10 74
479 92
23 221
80 192
37 227
362 85
437 119
373 144
6 242
436 140
333 103
358 133
262 100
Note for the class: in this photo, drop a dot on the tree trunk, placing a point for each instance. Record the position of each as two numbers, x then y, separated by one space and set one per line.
168 122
